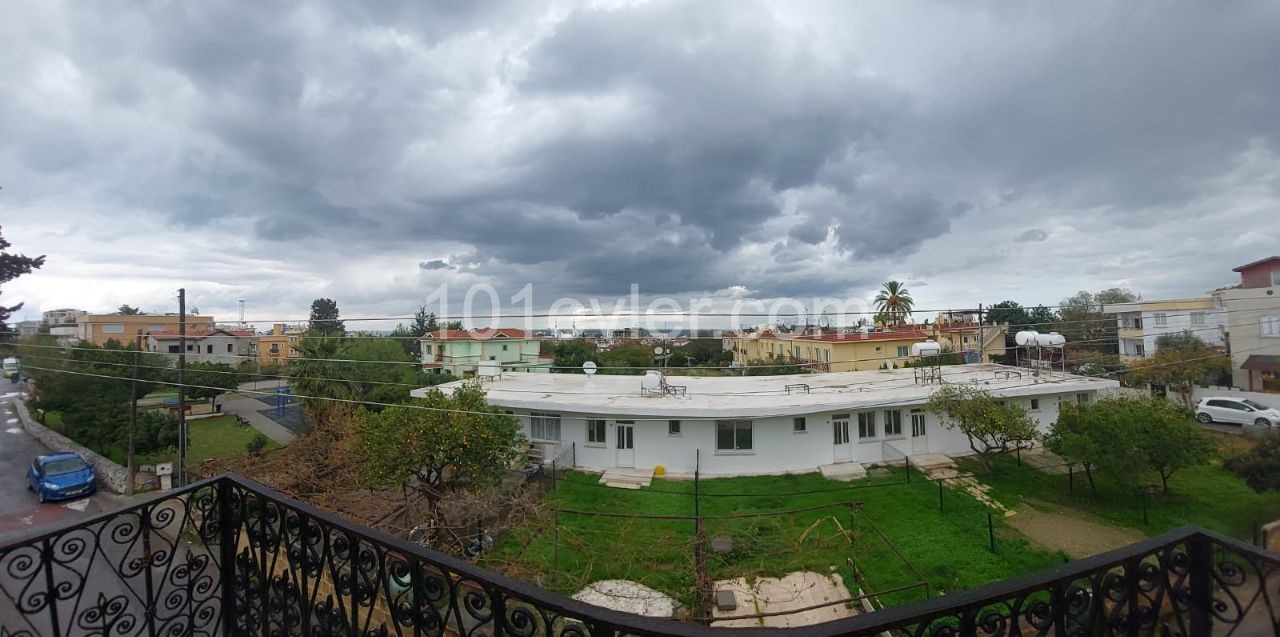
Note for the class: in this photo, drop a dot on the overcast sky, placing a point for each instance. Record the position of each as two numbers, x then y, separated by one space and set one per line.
278 152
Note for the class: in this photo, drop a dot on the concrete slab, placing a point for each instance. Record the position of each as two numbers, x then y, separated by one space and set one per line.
628 597
627 478
927 461
793 591
846 471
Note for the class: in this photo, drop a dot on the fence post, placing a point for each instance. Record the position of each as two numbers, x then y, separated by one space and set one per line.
1201 554
553 475
1144 506
1018 450
555 559
1071 479
228 534
991 532
1254 524
941 509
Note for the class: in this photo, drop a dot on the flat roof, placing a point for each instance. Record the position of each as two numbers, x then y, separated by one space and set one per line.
760 396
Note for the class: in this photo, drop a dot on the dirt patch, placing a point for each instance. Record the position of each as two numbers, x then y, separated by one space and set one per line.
1073 532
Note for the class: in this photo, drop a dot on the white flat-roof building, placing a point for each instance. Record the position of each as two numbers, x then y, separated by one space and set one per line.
761 424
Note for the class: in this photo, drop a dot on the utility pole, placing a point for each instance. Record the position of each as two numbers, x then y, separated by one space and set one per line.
982 343
133 412
182 388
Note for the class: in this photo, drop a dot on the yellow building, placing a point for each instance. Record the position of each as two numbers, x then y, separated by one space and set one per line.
834 352
859 351
281 344
100 328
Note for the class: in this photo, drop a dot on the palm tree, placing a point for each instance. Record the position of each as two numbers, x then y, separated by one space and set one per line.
894 303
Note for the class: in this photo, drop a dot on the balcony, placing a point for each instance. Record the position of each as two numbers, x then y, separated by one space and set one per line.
1130 332
227 556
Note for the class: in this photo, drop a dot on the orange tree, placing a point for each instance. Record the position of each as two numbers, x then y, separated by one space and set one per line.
992 426
455 437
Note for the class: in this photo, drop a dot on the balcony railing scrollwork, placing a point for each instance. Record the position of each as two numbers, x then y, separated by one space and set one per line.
227 556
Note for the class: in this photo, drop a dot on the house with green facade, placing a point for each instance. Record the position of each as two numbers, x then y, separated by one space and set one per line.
464 353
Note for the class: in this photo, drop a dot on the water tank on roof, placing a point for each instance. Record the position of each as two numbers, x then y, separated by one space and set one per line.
651 381
927 348
1026 338
1052 339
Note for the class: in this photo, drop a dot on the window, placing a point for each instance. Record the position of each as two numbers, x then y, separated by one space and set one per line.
798 425
893 422
504 347
1082 398
867 424
208 349
595 431
426 348
544 426
917 423
228 348
673 427
902 351
191 348
1271 325
877 349
797 351
840 428
1162 319
157 327
173 349
113 328
1197 318
733 435
275 348
1035 404
1275 277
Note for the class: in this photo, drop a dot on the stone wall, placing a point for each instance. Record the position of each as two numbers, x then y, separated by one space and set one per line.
111 476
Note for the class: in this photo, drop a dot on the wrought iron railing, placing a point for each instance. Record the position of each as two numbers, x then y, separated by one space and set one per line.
227 556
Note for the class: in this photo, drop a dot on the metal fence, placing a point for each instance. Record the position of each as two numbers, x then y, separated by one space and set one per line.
227 556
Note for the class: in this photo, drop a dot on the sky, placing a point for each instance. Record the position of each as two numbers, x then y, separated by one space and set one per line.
374 152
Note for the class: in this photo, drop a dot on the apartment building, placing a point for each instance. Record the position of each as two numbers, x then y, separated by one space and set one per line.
214 346
1142 323
100 328
281 344
1253 324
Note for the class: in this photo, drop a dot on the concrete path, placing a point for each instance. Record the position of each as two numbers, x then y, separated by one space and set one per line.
247 407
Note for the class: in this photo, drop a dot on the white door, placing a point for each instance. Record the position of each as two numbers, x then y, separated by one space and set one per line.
843 450
919 433
625 444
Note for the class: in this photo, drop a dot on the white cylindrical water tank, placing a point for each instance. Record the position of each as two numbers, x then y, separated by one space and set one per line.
1052 339
1026 338
927 348
651 381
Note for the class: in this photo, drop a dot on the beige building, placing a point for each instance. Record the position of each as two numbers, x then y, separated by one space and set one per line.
1253 325
100 328
282 344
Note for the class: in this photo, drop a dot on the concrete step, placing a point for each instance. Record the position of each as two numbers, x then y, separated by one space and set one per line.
845 471
928 461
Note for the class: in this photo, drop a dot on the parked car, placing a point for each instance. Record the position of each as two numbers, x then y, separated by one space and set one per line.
1240 411
61 475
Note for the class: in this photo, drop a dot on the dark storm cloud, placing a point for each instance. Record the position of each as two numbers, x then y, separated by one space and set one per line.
685 146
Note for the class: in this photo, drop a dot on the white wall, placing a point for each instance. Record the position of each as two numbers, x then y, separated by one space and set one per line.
776 448
1177 321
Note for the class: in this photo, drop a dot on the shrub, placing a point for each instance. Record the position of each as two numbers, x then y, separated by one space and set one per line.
257 444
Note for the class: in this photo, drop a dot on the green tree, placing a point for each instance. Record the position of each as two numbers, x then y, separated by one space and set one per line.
128 310
13 266
208 380
570 355
1094 436
455 437
324 318
1082 320
1176 340
894 303
1169 439
992 426
424 322
318 378
1180 368
1259 467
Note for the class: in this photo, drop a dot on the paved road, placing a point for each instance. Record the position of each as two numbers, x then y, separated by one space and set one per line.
20 511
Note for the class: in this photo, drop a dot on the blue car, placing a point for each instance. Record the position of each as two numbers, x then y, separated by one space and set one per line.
61 475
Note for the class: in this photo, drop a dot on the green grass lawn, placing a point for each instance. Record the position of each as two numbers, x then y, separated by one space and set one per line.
215 437
1207 496
949 550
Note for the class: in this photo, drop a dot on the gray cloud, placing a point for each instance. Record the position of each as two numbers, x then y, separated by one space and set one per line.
685 146
1032 234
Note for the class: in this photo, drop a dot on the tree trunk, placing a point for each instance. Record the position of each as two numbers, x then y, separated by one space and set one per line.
1164 481
1088 472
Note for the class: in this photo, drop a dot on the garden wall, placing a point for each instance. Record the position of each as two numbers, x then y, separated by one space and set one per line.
110 475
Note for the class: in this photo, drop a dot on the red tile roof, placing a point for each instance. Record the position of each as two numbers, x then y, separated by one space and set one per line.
1258 262
483 334
853 337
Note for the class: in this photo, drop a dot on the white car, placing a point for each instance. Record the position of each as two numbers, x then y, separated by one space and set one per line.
1234 410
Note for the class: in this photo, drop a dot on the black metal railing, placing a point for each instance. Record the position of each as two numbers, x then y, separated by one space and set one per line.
227 556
